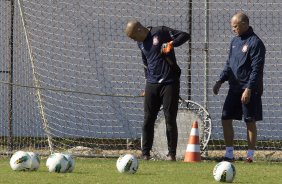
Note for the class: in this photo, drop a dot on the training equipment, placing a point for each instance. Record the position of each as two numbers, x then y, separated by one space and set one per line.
192 153
57 162
188 113
224 172
70 77
71 162
20 161
34 161
127 164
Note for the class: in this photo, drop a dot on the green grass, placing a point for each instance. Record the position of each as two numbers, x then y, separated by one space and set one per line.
103 171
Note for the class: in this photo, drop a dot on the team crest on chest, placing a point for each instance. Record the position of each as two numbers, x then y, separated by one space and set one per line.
155 40
245 48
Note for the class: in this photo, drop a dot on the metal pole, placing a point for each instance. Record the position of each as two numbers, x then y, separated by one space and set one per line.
189 74
11 79
206 50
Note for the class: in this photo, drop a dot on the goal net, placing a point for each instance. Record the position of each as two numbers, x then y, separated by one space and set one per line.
70 79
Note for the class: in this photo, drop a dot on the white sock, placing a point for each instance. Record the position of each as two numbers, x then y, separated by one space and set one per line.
250 154
229 152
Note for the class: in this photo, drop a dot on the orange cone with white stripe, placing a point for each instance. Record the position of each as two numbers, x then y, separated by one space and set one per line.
193 147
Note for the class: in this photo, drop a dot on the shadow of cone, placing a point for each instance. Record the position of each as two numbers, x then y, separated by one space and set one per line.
193 153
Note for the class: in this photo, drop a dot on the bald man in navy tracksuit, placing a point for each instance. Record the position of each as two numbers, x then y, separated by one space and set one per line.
244 73
162 80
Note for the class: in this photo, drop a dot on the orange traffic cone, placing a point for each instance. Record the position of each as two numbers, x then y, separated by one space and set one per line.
193 148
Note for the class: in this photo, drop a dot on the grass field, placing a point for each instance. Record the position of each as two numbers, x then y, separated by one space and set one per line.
103 171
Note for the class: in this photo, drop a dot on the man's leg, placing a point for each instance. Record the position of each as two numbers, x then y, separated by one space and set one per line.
252 113
170 96
228 133
152 105
252 139
148 133
232 110
251 135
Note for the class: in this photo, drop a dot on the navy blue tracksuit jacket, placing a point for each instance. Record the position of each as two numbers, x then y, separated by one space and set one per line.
157 68
244 67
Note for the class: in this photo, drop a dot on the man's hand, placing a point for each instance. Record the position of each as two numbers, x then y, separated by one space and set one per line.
246 96
142 93
167 47
216 87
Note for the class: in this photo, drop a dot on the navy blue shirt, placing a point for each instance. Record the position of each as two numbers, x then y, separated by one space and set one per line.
244 67
157 68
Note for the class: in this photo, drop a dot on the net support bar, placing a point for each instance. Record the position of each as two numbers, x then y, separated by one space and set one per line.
36 81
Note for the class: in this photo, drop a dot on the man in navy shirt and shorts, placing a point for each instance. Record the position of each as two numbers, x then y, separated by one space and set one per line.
244 73
162 80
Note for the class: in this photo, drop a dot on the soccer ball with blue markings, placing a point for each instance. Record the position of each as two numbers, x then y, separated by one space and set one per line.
224 172
127 164
20 161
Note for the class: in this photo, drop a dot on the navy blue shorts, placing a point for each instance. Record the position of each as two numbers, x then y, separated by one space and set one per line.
234 109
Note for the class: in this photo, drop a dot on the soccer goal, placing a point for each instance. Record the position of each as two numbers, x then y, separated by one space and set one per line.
70 79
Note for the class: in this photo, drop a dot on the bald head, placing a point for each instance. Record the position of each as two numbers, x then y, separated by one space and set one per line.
240 23
136 31
241 18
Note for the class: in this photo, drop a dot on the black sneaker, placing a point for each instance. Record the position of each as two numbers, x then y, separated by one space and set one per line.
225 159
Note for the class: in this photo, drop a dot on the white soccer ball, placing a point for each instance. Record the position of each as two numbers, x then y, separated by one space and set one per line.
57 162
127 164
35 161
20 161
71 162
224 172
